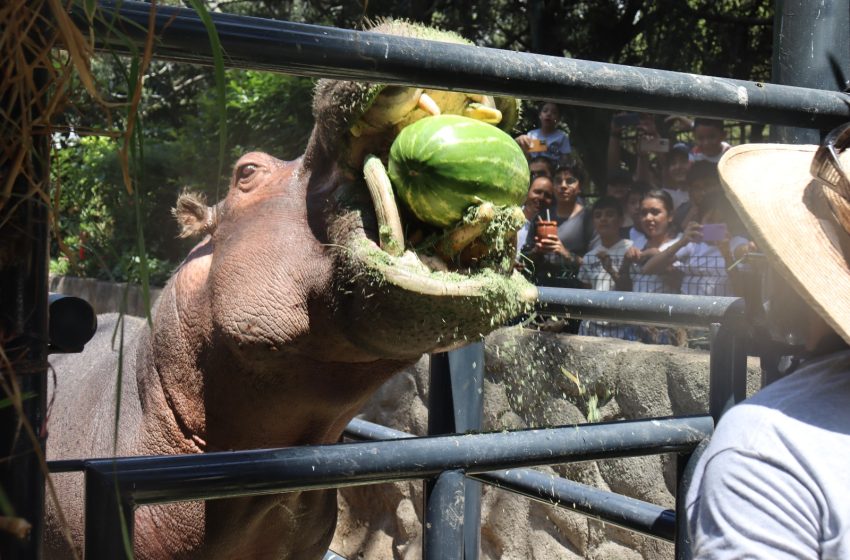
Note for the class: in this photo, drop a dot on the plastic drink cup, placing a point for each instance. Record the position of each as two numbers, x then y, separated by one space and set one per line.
546 228
537 146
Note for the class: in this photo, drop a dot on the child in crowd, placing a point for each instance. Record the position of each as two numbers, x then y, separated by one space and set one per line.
618 187
540 196
709 137
675 180
619 184
702 179
541 166
635 232
656 220
548 141
600 269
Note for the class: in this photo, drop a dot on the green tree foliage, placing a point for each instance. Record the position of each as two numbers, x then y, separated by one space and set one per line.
97 216
271 112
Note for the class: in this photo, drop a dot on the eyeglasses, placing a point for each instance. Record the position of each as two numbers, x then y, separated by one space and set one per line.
827 167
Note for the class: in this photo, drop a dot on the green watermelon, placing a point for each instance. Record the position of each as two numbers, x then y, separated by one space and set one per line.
440 166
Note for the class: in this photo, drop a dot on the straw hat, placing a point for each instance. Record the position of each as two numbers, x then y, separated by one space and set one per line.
800 221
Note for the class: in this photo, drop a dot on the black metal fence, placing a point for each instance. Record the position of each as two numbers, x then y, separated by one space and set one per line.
456 464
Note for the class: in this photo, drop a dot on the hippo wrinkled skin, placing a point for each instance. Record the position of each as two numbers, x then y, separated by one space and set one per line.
276 328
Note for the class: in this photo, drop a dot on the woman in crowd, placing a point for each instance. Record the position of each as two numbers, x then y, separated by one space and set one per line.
541 194
555 259
706 251
656 221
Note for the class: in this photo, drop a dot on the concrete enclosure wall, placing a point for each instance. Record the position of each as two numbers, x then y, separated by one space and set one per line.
105 297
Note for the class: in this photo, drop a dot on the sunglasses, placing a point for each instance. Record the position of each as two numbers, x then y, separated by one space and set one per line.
834 204
827 167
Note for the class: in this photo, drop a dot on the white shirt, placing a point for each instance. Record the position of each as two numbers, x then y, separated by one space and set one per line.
775 480
679 197
704 268
637 237
592 272
650 283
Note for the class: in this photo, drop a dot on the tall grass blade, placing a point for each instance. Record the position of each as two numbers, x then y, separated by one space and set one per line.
221 94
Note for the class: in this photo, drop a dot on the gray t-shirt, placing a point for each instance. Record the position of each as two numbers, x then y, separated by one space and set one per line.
775 480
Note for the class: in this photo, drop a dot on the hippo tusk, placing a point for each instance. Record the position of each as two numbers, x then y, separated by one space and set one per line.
390 233
483 113
427 104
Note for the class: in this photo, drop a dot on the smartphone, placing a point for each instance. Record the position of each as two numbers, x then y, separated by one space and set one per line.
655 145
713 232
626 119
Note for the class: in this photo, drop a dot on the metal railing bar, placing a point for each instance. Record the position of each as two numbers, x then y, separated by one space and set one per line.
66 465
632 307
162 479
255 43
363 430
629 513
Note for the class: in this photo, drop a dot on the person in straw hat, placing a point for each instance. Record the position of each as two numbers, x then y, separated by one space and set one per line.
774 482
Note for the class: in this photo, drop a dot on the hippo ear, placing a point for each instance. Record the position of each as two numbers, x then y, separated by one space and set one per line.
194 216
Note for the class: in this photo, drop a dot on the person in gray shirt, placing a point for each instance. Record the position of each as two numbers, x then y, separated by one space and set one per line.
774 481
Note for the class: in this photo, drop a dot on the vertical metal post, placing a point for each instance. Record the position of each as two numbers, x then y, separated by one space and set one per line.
811 48
455 404
23 328
727 387
728 370
105 507
444 518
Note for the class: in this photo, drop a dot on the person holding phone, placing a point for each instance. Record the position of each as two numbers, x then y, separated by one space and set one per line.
706 251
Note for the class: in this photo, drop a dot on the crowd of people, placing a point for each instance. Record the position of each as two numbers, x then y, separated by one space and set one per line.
772 481
660 224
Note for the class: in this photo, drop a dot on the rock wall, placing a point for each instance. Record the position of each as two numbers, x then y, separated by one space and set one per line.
539 379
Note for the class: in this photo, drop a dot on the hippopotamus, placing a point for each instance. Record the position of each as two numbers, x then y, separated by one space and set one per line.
300 299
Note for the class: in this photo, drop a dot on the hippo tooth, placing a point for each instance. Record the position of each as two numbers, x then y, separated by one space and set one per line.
427 104
483 113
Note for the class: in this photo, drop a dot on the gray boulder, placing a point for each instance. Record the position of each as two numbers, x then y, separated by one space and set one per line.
539 379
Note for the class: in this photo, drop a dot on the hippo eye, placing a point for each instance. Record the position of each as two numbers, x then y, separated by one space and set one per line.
246 171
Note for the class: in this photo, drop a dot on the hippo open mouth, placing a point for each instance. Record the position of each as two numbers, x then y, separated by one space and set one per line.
408 286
